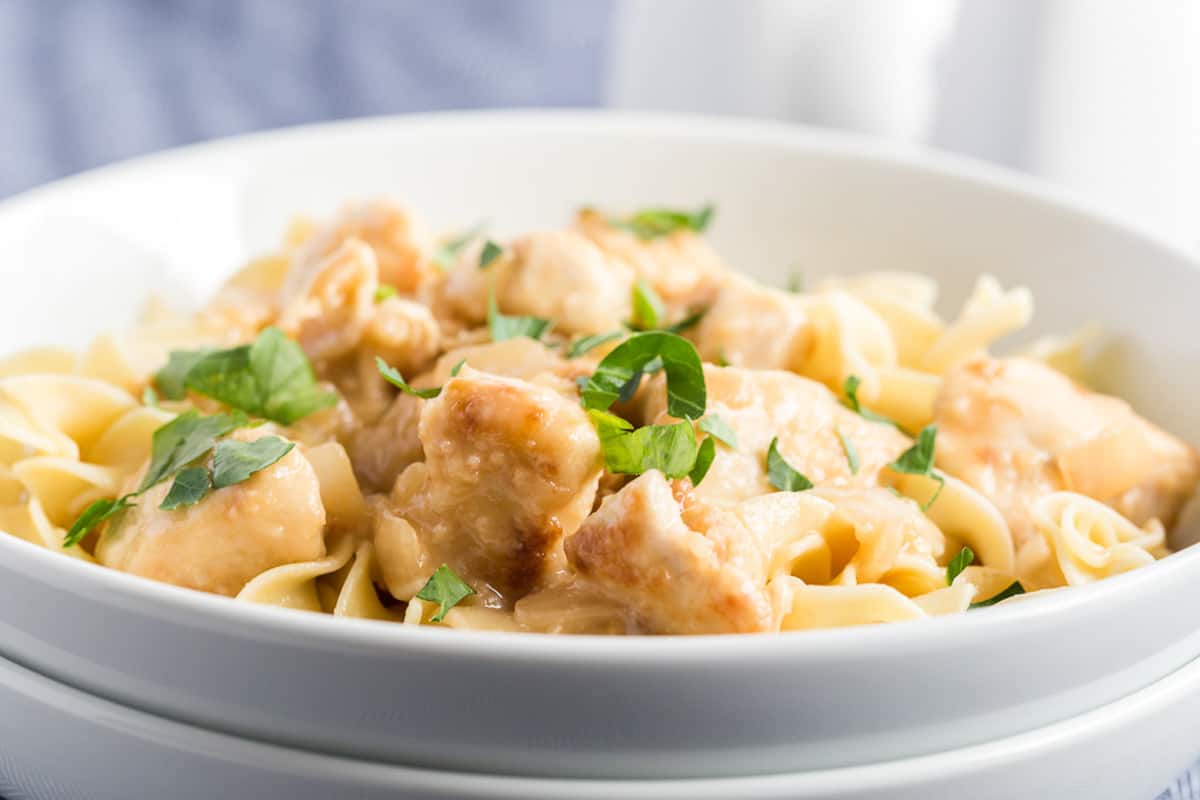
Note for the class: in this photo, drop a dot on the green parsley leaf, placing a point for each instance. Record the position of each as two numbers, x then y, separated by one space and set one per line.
270 378
670 449
385 291
851 451
652 223
704 460
918 460
958 564
628 361
457 368
588 343
235 461
491 251
447 253
93 515
183 440
149 397
850 387
795 282
446 589
393 376
715 426
189 488
504 328
722 361
171 379
647 306
690 321
781 474
1012 590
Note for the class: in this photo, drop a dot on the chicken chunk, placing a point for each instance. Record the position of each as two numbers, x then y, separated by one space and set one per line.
558 275
398 239
510 469
680 572
275 517
328 304
682 267
755 327
380 451
1017 430
807 418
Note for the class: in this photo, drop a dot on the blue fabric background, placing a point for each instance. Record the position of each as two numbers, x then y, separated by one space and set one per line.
86 82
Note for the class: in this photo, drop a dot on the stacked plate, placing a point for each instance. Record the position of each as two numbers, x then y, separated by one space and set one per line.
118 687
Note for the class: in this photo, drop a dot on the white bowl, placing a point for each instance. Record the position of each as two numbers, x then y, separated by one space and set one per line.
63 744
597 707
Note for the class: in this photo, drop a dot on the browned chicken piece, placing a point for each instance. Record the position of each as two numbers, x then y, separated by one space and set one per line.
273 518
681 267
761 405
398 239
699 571
510 469
1016 430
755 327
380 451
557 275
327 304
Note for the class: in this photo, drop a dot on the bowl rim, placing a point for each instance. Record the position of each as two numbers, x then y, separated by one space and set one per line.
165 600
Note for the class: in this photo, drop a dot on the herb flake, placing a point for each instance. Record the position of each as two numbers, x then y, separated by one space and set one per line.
850 388
588 343
393 376
782 475
235 461
714 425
1012 590
628 361
446 589
491 251
503 328
189 488
704 459
963 559
850 450
651 223
670 449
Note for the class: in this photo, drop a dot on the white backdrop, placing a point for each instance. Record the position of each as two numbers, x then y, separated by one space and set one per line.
1100 95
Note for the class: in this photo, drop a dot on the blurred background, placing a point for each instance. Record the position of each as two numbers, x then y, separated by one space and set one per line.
1101 96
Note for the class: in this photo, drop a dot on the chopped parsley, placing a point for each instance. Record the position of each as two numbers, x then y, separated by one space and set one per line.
652 223
648 307
270 378
718 428
961 561
850 449
491 251
189 488
504 328
385 291
628 361
850 387
172 379
918 460
446 589
795 282
234 461
1012 590
781 474
393 376
670 449
588 343
93 515
457 368
446 254
704 460
183 440
149 397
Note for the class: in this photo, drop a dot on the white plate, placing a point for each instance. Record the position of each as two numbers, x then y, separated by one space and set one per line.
72 257
62 744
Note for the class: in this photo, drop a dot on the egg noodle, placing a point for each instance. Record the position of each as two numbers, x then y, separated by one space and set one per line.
598 429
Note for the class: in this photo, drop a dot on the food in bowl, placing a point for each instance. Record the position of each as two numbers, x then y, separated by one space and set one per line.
601 429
